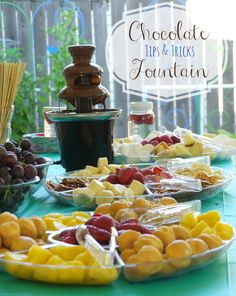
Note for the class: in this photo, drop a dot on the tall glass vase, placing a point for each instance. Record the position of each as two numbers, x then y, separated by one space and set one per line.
6 115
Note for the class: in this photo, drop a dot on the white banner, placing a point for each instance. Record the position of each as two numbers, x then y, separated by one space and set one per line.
157 52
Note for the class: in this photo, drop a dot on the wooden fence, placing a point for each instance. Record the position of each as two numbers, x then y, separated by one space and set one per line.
24 23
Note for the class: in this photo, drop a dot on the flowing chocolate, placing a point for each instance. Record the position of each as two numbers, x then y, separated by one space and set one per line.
83 79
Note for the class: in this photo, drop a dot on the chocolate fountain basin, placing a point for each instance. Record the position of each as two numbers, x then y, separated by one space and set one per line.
84 137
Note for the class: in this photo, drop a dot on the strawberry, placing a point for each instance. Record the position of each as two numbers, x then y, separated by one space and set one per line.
155 139
152 179
117 171
147 172
139 177
157 170
92 220
134 226
70 239
144 142
125 175
175 139
100 235
129 221
135 170
166 139
67 232
105 222
97 214
154 143
113 179
165 175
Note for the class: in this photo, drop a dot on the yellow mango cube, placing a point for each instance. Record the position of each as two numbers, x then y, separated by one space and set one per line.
67 252
53 215
85 257
197 230
55 260
224 230
38 255
100 276
81 214
52 223
45 274
189 220
211 217
71 275
66 219
208 230
73 222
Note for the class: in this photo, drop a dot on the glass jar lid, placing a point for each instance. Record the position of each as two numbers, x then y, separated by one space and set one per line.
141 106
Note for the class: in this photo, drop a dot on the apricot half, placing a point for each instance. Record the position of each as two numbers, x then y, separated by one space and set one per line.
181 232
165 234
179 253
148 240
150 260
127 239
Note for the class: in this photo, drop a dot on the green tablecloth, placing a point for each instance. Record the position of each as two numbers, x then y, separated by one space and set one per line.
217 279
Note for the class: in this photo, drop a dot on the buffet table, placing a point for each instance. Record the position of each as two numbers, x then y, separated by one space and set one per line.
215 279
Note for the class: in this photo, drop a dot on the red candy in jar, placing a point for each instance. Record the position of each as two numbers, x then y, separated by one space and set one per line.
141 119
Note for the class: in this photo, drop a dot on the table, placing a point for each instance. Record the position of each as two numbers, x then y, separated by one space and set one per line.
218 279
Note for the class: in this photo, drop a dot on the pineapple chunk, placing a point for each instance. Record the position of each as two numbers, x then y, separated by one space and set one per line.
84 173
128 192
180 150
102 161
104 196
113 167
96 186
137 187
189 139
197 149
105 193
105 171
93 170
38 255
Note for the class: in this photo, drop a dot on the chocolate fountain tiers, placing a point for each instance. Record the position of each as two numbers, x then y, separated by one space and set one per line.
84 133
84 89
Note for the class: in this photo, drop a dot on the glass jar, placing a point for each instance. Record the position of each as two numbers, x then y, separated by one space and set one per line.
141 119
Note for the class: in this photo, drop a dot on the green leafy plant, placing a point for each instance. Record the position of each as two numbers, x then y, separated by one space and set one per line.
65 33
34 92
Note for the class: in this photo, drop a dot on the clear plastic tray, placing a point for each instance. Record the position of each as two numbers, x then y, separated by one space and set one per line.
88 202
224 146
133 159
171 268
205 193
63 274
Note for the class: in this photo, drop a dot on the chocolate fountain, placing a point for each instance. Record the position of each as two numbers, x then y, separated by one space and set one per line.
84 132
